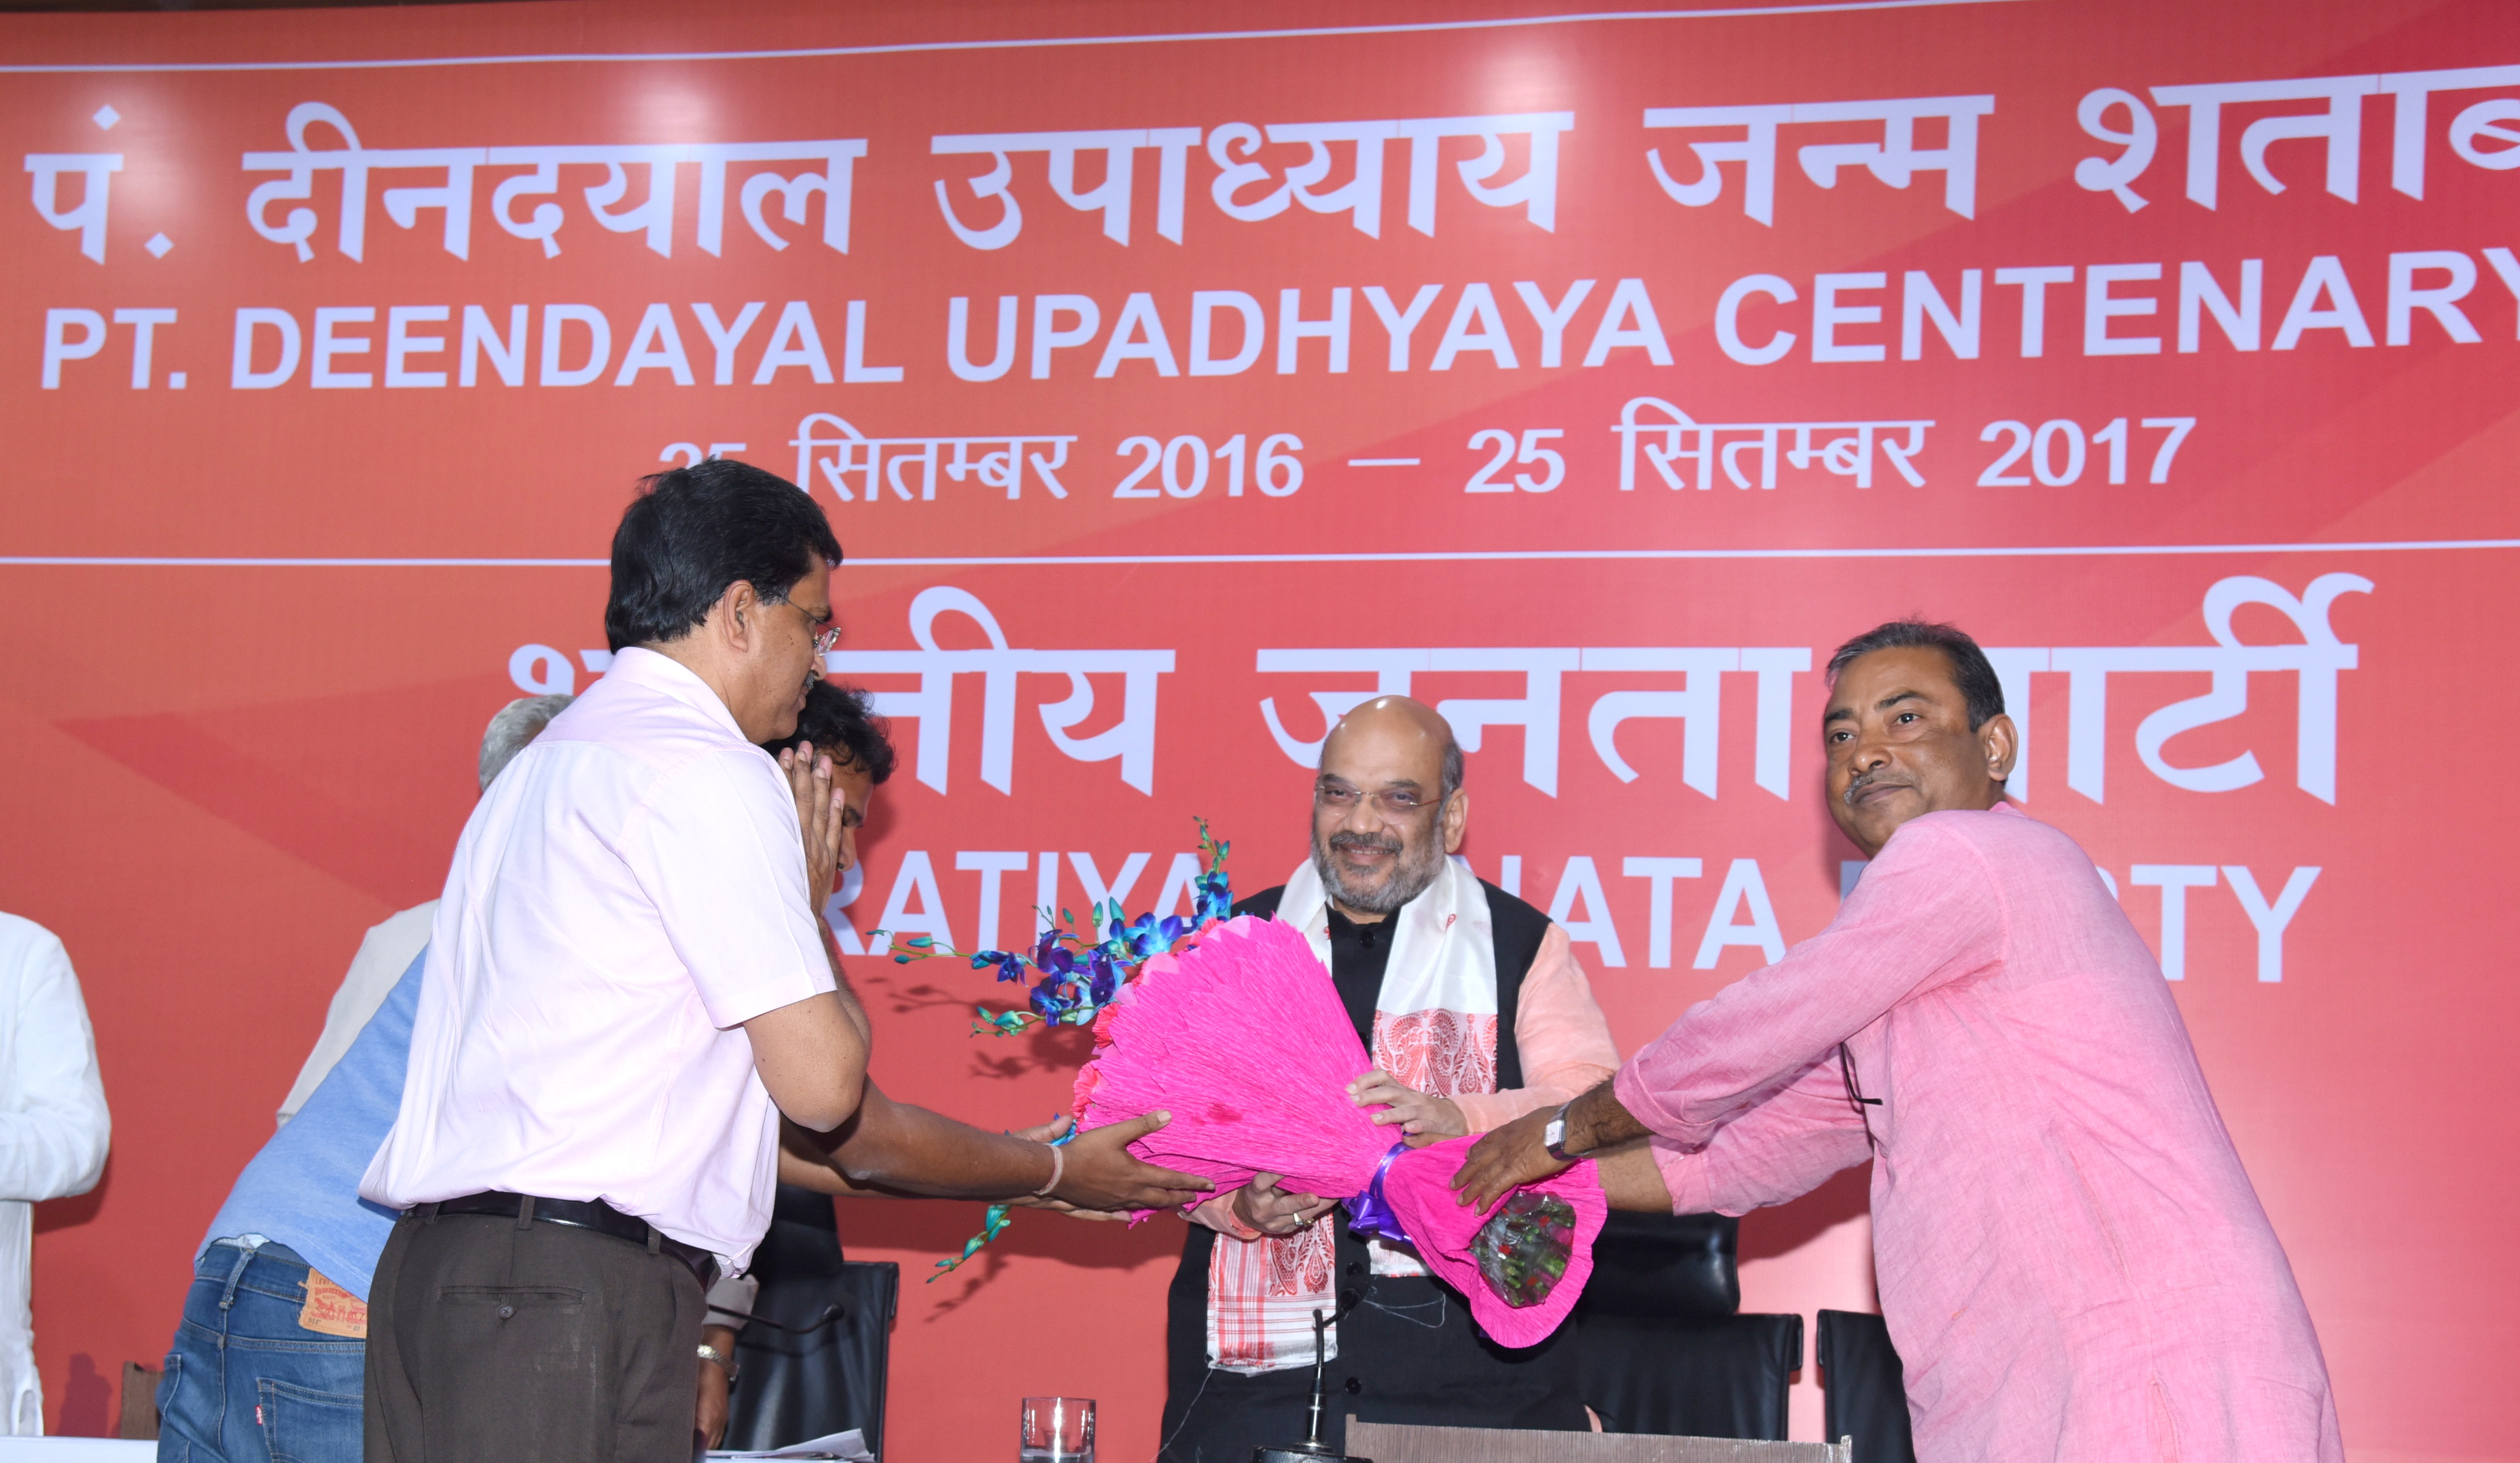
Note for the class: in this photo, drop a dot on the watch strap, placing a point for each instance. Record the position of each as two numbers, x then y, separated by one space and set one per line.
1553 1136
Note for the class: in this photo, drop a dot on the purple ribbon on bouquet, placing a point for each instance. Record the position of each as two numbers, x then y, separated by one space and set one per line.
1369 1213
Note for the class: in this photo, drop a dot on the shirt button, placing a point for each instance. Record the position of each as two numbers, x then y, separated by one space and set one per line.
1354 1386
505 1311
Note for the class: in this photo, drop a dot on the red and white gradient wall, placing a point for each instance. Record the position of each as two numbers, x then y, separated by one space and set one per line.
1176 375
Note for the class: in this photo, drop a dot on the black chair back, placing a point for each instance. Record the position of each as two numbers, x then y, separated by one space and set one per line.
1662 1349
1665 1266
1724 1378
795 1386
826 1380
1863 1384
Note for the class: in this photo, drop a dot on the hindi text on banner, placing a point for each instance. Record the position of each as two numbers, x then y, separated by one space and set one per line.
1131 741
652 216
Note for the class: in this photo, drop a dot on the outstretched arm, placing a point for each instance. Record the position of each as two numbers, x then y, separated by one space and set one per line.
1517 1153
1631 1179
1780 1149
1926 916
898 1149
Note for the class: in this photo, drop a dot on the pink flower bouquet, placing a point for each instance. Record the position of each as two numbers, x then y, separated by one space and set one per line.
1243 1038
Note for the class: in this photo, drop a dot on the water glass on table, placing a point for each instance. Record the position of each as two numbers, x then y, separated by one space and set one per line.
1056 1430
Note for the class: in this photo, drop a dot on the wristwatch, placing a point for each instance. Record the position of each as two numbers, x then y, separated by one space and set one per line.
725 1362
1553 1136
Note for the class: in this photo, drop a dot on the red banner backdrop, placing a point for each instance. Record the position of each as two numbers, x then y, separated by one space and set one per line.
1179 375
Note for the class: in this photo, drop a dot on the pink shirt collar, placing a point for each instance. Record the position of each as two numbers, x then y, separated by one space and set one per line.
666 674
2002 806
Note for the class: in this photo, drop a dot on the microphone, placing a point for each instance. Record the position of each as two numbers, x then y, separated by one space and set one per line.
1312 1449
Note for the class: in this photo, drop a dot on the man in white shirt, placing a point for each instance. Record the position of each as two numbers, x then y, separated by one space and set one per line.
53 1134
625 988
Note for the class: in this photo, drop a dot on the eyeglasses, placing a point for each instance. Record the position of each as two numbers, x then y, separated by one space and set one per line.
826 629
1395 804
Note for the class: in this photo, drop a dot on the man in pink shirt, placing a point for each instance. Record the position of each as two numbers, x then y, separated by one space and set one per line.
626 986
2071 1259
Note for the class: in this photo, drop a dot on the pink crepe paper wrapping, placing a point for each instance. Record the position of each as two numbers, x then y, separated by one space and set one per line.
1419 1189
1245 1040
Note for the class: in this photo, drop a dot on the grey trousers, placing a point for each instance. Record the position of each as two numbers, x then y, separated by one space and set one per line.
490 1340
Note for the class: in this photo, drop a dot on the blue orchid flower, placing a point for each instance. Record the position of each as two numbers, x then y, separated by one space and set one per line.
1134 943
1010 967
1077 970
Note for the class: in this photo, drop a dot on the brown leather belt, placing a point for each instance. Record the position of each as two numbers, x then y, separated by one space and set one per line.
579 1214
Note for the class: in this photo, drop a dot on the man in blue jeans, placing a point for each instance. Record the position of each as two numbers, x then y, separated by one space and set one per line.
271 1356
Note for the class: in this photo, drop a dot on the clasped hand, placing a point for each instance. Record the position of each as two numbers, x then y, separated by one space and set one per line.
1263 1206
1422 1117
820 817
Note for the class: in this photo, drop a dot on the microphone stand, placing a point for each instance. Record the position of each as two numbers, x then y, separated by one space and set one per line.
1313 1449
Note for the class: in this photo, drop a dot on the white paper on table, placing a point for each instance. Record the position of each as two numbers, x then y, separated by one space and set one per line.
849 1445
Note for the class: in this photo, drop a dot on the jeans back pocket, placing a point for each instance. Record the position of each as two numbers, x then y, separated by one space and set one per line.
303 1425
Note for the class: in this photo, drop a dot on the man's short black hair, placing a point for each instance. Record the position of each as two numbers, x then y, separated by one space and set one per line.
696 530
1971 671
838 718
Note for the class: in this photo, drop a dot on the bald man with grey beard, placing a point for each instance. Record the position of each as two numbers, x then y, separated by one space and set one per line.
1475 1012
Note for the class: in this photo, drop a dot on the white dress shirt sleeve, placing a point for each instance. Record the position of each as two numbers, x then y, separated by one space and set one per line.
385 953
717 850
53 1123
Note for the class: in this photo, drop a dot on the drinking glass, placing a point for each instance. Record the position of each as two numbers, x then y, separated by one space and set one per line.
1058 1429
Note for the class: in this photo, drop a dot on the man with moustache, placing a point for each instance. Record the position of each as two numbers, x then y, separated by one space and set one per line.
2071 1259
626 986
1475 1012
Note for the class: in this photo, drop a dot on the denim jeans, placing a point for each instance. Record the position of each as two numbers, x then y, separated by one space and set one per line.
245 1381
